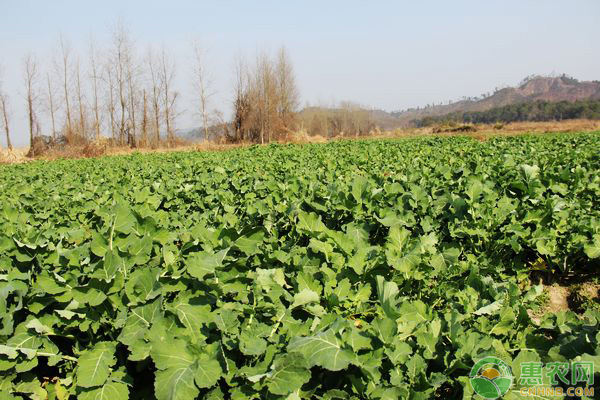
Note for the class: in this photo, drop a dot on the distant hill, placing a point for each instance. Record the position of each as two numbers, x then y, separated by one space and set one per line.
538 110
531 89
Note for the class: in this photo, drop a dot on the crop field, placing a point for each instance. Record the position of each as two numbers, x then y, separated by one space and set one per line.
376 269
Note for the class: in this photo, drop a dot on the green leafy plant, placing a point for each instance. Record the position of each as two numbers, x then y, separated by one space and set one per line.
363 269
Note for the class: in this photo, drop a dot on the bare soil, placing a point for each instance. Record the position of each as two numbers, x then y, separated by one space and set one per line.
573 297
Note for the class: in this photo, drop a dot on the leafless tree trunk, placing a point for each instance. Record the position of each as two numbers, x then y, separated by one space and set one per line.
156 94
132 92
144 141
111 104
287 98
167 73
266 82
203 84
121 49
82 126
51 105
30 77
4 109
241 102
65 53
95 78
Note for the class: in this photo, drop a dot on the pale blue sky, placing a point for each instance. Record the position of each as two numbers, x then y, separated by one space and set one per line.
384 54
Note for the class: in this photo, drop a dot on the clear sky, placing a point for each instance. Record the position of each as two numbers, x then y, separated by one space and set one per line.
384 54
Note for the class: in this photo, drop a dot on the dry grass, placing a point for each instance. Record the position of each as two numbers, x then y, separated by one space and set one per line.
483 132
15 156
302 136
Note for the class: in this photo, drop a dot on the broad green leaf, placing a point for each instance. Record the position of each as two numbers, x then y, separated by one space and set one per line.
388 293
194 318
490 308
288 374
108 391
249 244
310 222
110 265
174 379
175 383
252 345
142 285
323 349
306 296
123 219
208 372
592 250
205 263
95 364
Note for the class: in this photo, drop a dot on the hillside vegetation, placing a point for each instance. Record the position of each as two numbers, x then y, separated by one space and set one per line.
534 111
532 89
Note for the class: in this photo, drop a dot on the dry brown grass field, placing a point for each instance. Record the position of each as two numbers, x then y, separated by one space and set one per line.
481 132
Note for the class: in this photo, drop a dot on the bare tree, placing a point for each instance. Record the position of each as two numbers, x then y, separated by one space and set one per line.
266 99
4 110
111 102
287 99
265 82
65 70
132 90
241 102
80 102
30 77
3 106
118 62
203 85
167 74
144 139
95 78
156 91
51 105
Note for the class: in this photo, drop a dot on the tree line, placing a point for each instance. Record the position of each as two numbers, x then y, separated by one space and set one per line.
118 95
114 94
124 97
346 119
539 110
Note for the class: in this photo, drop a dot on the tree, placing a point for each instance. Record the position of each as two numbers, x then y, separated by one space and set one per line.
111 103
80 102
156 91
132 88
65 68
202 84
287 99
51 105
95 78
167 75
241 102
266 99
4 110
30 76
118 63
144 139
265 90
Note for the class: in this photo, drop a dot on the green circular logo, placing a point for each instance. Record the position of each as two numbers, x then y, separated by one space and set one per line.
491 377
